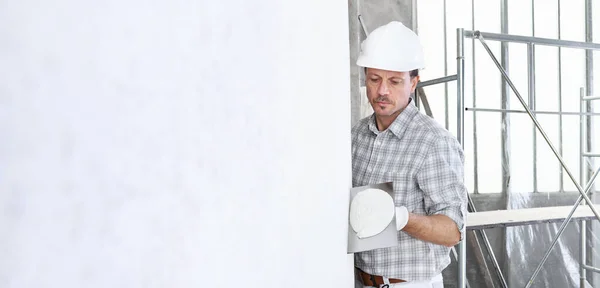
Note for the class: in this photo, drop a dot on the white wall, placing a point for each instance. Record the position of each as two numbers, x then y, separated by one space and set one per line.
174 144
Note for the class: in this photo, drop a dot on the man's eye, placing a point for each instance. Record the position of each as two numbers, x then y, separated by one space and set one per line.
374 79
395 82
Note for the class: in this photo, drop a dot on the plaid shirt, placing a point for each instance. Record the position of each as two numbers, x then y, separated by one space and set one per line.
425 163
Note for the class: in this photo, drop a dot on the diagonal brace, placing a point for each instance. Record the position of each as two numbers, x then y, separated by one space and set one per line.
562 228
537 124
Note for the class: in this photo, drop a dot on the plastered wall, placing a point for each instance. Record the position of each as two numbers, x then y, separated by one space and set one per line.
174 144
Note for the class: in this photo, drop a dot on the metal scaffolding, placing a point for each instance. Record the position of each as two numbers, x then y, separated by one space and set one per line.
527 106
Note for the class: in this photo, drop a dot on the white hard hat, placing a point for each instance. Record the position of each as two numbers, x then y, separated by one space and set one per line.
392 47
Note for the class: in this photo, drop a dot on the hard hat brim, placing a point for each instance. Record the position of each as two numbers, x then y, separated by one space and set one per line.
363 61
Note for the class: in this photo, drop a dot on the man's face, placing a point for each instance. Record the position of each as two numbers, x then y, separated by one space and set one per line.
389 91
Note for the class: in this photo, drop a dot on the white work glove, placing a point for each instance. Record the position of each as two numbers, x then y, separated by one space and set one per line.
401 217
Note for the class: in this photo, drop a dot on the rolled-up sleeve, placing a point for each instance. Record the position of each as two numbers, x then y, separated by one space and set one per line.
441 178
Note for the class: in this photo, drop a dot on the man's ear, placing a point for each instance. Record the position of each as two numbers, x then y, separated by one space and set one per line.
413 83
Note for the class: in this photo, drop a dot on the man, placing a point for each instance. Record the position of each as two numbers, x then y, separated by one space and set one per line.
423 160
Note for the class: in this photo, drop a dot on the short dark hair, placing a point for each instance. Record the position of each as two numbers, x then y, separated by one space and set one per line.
414 73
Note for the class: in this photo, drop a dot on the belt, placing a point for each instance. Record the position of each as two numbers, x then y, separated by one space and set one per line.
376 281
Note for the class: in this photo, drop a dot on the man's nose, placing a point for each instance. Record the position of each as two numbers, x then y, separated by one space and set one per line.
383 89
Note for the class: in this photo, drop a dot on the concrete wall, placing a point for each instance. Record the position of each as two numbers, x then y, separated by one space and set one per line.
174 144
374 14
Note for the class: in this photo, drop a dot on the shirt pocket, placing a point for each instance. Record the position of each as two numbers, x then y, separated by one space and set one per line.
406 192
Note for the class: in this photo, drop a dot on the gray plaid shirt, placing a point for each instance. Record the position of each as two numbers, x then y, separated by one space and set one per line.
425 163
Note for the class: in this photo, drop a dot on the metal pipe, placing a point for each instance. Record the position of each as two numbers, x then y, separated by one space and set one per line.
362 24
589 77
589 90
460 82
591 154
456 257
582 254
462 263
437 81
533 18
582 238
562 228
531 94
582 133
472 109
537 124
505 104
488 247
534 40
560 119
591 98
460 85
481 260
505 144
473 69
591 268
447 107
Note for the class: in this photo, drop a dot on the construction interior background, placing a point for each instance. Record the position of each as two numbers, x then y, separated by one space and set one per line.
207 143
510 165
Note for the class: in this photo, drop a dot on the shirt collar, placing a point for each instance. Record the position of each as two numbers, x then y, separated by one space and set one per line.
400 123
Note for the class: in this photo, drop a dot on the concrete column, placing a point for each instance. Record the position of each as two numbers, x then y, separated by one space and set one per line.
374 13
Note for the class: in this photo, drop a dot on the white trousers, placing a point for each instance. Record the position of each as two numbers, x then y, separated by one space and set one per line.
435 282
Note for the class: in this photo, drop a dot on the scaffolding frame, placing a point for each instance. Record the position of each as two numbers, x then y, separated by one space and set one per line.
460 76
505 38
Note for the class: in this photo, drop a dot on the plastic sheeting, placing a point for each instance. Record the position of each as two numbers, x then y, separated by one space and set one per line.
520 249
526 246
